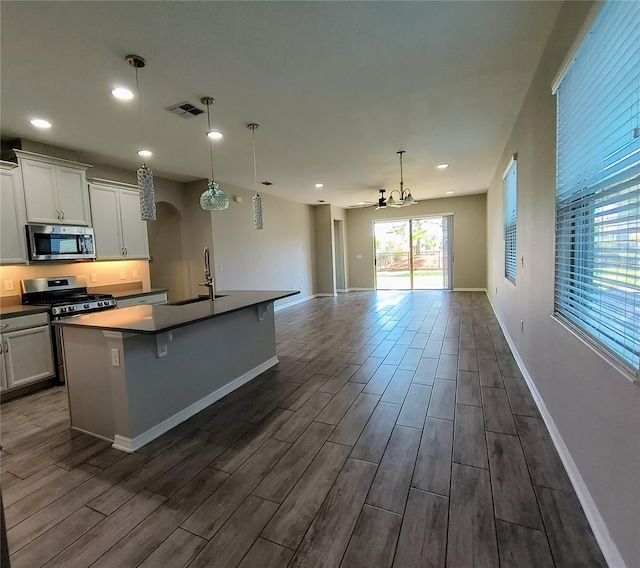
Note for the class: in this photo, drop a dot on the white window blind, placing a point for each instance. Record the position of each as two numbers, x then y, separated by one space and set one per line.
510 186
597 283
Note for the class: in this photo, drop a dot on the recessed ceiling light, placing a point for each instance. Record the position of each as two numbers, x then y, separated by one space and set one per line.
144 153
319 185
449 192
40 123
122 93
215 134
362 202
442 166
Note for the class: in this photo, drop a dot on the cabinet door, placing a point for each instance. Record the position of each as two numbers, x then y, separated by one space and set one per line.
13 248
134 231
28 355
72 196
106 222
39 181
3 376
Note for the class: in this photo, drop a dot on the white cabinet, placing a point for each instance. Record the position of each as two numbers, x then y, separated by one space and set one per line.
157 298
119 232
27 355
13 247
55 190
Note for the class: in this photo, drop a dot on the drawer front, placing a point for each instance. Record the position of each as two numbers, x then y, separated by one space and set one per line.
23 322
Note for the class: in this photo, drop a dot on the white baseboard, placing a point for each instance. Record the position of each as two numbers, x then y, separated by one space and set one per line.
470 290
131 445
361 289
323 295
598 526
294 302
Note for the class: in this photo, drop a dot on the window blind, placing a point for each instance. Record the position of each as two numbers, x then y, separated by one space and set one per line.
510 185
597 279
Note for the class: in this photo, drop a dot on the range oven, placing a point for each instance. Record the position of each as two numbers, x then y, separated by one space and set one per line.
65 296
60 242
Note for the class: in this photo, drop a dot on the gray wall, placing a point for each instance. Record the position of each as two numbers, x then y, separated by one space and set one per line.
323 231
591 405
469 238
278 257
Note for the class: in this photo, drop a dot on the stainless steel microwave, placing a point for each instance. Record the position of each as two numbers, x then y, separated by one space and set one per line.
60 243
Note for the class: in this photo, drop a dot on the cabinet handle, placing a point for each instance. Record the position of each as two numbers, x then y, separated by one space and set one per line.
126 251
1 350
6 347
58 214
3 325
62 210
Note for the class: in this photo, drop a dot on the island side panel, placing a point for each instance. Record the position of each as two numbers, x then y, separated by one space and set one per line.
201 359
93 383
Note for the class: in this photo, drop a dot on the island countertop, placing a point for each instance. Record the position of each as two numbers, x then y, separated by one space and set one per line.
160 318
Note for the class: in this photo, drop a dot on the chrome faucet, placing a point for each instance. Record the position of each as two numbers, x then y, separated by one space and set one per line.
208 275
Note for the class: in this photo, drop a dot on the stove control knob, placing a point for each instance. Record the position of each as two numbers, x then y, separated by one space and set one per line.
72 308
62 310
100 303
86 306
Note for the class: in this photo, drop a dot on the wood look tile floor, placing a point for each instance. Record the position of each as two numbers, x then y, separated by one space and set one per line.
396 430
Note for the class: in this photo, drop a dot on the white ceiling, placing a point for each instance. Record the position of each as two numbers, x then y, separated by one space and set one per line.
337 87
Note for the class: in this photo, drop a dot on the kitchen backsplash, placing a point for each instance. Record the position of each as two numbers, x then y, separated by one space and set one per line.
96 273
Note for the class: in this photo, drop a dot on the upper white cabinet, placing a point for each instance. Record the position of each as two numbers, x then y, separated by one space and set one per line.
119 232
13 248
55 190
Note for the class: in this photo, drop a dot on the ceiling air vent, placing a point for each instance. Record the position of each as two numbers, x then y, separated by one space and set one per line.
185 110
266 183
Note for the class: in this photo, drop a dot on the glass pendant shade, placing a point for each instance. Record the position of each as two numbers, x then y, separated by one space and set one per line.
147 194
257 211
213 198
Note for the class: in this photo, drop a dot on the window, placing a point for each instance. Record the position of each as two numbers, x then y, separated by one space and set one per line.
597 280
510 186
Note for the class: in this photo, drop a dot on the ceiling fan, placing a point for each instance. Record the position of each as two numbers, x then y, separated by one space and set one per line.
380 204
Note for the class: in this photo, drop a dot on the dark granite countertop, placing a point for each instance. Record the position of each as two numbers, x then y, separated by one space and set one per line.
20 310
158 318
121 295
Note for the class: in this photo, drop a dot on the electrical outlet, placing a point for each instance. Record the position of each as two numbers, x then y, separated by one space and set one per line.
496 289
219 267
359 256
522 326
122 275
94 277
134 274
8 285
301 283
115 358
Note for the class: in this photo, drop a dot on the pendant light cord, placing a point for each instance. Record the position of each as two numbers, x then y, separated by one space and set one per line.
210 143
401 178
139 111
255 167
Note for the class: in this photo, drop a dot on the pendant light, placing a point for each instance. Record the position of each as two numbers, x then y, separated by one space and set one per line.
212 198
404 196
256 201
145 175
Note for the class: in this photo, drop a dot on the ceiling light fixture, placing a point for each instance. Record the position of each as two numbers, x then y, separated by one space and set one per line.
405 198
212 198
319 185
145 175
122 94
214 134
449 192
40 123
256 200
442 166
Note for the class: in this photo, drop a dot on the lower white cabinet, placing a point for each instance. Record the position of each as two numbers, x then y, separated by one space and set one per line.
27 356
118 230
157 298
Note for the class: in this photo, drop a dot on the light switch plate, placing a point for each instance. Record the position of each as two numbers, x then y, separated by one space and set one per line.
94 277
8 285
122 275
134 274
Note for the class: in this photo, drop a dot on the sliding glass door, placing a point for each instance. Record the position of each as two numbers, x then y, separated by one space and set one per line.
413 254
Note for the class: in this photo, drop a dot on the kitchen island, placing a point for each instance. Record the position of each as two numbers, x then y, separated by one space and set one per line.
135 373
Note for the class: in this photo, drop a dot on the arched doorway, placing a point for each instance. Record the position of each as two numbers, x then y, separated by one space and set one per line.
168 267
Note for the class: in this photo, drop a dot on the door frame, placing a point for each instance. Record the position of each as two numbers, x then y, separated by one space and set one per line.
409 219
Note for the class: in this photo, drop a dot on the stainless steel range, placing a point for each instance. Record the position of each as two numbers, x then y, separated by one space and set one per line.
65 296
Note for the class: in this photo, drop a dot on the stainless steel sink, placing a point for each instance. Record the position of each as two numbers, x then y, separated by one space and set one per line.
193 300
